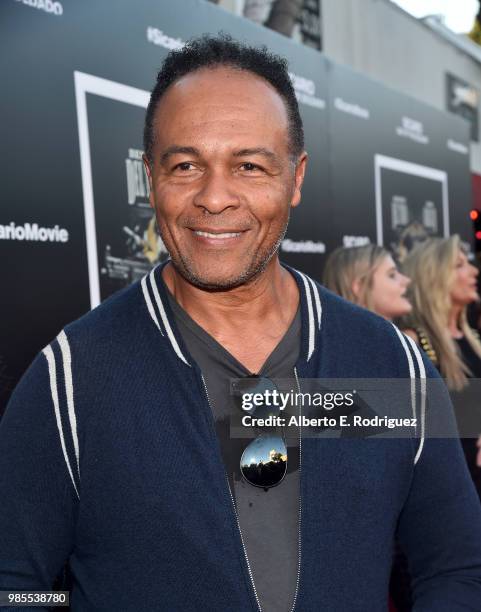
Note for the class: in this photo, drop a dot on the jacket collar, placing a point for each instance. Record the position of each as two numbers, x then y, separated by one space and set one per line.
311 312
154 295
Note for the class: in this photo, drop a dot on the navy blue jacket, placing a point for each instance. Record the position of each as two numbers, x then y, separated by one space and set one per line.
109 459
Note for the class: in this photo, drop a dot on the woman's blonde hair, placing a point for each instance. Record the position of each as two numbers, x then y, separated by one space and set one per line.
431 267
344 266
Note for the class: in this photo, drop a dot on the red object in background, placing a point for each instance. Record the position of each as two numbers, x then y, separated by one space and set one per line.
475 213
476 182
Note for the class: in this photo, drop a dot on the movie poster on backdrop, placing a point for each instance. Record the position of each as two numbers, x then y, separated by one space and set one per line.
404 181
123 243
410 199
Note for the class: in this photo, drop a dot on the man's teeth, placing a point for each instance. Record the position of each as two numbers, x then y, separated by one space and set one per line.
218 236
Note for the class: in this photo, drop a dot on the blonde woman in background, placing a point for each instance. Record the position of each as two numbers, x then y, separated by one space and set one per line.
368 276
443 284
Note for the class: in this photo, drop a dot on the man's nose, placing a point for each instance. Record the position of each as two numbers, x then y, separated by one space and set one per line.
217 192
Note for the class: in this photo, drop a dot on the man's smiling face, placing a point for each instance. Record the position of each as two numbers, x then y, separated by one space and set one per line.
222 175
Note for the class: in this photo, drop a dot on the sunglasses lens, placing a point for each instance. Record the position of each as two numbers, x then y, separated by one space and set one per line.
264 461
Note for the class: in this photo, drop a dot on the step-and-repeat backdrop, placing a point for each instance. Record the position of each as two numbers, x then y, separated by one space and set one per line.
75 224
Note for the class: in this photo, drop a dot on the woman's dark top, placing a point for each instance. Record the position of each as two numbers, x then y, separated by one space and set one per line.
467 403
469 400
470 358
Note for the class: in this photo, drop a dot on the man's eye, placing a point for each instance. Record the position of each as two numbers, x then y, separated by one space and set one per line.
250 167
183 166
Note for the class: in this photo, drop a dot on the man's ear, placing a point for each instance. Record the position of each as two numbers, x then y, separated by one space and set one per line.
300 172
148 172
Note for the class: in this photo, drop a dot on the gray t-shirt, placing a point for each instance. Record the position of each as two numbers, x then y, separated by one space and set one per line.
268 518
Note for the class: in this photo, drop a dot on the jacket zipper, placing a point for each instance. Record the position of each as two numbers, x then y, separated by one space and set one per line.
299 548
249 569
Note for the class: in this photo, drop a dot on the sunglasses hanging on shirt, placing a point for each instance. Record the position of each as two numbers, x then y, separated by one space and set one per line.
264 460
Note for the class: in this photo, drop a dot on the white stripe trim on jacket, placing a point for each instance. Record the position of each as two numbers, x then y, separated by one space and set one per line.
165 320
49 355
67 373
317 300
310 309
422 376
148 301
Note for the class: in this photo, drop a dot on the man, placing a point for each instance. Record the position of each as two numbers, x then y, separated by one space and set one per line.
115 453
